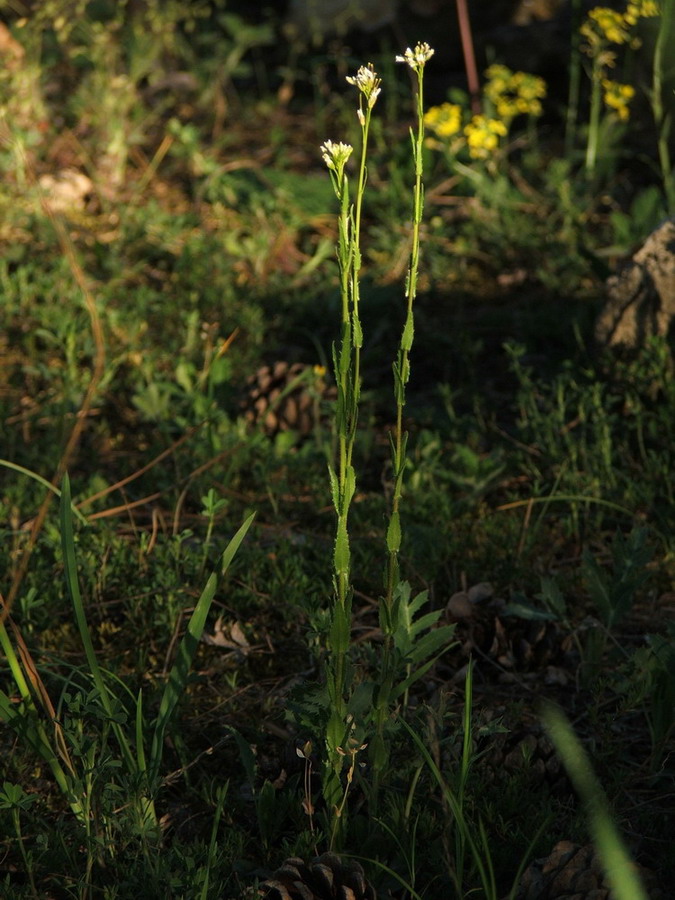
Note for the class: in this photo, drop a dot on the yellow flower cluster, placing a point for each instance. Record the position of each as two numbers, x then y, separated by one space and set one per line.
482 136
444 120
641 9
617 97
514 93
605 25
509 94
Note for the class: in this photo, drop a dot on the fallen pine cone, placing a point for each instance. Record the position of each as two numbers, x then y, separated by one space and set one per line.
284 397
325 878
572 872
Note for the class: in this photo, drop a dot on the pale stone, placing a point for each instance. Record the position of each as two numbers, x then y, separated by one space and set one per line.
641 302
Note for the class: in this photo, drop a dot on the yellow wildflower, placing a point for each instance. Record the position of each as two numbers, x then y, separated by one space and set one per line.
444 120
641 9
482 136
499 78
605 24
617 97
514 93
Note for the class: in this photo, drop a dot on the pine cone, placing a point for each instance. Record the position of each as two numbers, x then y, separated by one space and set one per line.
528 751
325 878
571 872
282 397
521 648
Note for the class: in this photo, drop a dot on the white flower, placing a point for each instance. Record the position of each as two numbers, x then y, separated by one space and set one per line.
336 155
417 58
368 83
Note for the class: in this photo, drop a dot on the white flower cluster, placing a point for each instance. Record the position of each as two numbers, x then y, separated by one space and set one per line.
417 58
368 83
335 155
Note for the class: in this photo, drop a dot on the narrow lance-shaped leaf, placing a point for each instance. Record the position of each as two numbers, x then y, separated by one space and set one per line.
407 336
620 872
340 630
70 566
394 533
350 487
334 488
178 675
341 552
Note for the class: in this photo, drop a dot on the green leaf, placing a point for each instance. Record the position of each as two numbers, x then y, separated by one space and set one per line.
334 488
523 610
358 332
407 337
234 544
417 602
341 554
361 700
394 533
21 722
426 621
552 597
246 755
335 733
140 729
407 683
350 487
267 809
178 676
70 566
43 481
404 614
620 872
340 630
431 642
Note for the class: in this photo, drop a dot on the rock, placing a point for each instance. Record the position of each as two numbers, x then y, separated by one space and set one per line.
67 190
11 51
641 301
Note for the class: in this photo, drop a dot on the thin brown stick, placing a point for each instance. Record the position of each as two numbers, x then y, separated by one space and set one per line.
87 402
39 689
153 462
124 507
469 56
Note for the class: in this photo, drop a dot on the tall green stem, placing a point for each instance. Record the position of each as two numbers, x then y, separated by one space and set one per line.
572 113
398 440
356 265
594 119
346 362
663 119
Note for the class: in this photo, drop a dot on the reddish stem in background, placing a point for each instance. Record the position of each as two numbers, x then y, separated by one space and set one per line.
469 56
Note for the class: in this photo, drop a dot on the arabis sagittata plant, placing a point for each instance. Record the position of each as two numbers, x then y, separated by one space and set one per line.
357 718
346 363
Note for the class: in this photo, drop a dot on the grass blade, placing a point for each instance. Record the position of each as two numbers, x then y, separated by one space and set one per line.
619 869
180 670
70 566
8 464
